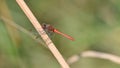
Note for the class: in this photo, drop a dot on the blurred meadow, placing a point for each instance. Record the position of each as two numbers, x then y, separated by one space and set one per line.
94 24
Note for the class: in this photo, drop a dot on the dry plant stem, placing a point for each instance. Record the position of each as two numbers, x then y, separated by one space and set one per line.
12 23
101 55
4 11
94 54
42 33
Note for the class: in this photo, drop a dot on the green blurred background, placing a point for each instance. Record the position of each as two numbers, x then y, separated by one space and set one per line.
95 25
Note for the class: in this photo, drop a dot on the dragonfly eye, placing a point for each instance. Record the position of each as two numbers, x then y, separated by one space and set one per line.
44 26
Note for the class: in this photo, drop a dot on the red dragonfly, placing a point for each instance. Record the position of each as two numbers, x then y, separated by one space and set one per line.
49 28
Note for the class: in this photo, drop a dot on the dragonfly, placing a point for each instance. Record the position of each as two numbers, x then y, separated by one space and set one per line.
50 29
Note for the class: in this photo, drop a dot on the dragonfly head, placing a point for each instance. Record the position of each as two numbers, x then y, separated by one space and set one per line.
47 27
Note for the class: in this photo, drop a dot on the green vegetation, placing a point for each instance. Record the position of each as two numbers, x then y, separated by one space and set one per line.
95 25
